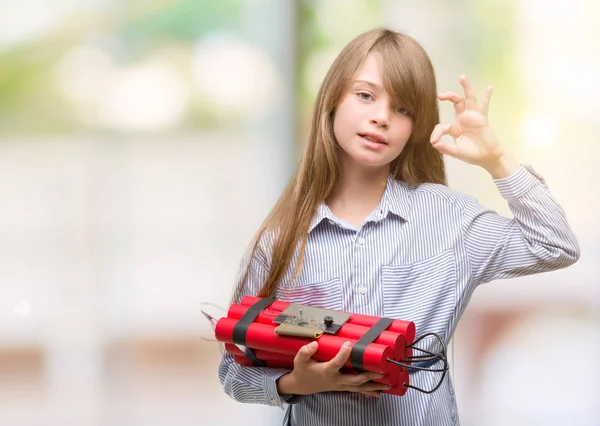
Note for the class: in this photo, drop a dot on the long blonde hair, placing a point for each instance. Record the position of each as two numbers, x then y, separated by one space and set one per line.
409 78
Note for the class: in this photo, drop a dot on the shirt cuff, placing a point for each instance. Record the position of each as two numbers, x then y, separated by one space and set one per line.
519 182
270 388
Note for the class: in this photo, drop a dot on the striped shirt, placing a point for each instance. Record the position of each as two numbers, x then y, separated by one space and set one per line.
418 256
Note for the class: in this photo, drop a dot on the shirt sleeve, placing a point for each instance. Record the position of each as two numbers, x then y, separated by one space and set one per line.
254 385
537 239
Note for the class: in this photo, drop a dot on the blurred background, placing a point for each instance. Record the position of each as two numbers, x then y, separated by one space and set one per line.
143 142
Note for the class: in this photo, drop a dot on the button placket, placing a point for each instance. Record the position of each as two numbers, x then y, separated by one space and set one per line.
359 242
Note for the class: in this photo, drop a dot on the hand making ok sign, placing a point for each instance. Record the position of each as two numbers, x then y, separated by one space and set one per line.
474 140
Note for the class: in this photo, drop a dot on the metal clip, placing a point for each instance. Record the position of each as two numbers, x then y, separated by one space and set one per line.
305 321
294 330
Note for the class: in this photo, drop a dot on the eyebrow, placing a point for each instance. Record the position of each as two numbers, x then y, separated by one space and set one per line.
370 83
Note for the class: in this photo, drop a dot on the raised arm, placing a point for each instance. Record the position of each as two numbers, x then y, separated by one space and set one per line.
538 237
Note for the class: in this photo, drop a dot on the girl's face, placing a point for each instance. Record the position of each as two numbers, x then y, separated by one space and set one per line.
370 129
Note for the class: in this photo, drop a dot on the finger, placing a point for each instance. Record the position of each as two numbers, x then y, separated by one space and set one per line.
372 387
341 357
446 148
375 394
471 99
443 146
306 352
455 98
439 131
359 379
485 103
367 388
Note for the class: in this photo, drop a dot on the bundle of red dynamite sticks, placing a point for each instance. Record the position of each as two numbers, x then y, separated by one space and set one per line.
269 333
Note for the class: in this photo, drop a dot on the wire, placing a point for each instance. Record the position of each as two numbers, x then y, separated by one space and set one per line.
432 390
434 370
442 356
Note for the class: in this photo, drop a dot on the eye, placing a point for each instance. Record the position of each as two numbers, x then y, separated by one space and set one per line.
403 111
364 96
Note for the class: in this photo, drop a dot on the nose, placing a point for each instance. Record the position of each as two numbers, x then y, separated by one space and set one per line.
381 115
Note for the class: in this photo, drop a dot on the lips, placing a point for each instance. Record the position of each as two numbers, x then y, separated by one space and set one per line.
373 137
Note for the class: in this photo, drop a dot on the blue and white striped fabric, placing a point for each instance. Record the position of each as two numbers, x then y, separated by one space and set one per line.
419 256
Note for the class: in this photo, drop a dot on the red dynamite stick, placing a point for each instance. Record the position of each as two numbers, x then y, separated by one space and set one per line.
395 380
263 337
406 328
242 360
275 360
392 378
266 316
399 389
350 331
281 361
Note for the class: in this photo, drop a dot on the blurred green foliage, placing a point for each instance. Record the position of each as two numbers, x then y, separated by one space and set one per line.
30 101
184 21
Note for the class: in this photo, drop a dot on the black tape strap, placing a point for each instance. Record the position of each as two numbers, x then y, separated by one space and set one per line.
241 328
358 351
250 355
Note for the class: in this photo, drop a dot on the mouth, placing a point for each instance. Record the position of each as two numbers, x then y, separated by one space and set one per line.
373 137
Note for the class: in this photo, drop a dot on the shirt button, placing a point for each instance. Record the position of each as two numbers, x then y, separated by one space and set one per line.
362 290
361 240
331 222
274 401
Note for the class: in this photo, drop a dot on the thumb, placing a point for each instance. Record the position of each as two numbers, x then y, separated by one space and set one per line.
444 147
306 352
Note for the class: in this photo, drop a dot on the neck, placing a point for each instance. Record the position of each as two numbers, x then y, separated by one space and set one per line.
358 192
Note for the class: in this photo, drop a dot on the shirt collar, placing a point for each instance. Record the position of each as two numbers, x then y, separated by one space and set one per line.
395 200
322 214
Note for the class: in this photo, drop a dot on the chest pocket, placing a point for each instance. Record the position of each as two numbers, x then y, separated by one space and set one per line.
423 292
326 294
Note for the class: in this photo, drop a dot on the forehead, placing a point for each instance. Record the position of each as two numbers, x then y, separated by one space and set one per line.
370 71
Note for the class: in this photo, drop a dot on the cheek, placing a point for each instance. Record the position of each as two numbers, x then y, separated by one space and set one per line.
342 124
403 131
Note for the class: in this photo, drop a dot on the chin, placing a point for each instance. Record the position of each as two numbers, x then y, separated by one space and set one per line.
371 161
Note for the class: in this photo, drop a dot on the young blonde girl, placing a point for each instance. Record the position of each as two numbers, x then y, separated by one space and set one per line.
367 225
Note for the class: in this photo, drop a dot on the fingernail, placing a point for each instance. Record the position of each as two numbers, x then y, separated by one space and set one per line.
313 345
348 345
